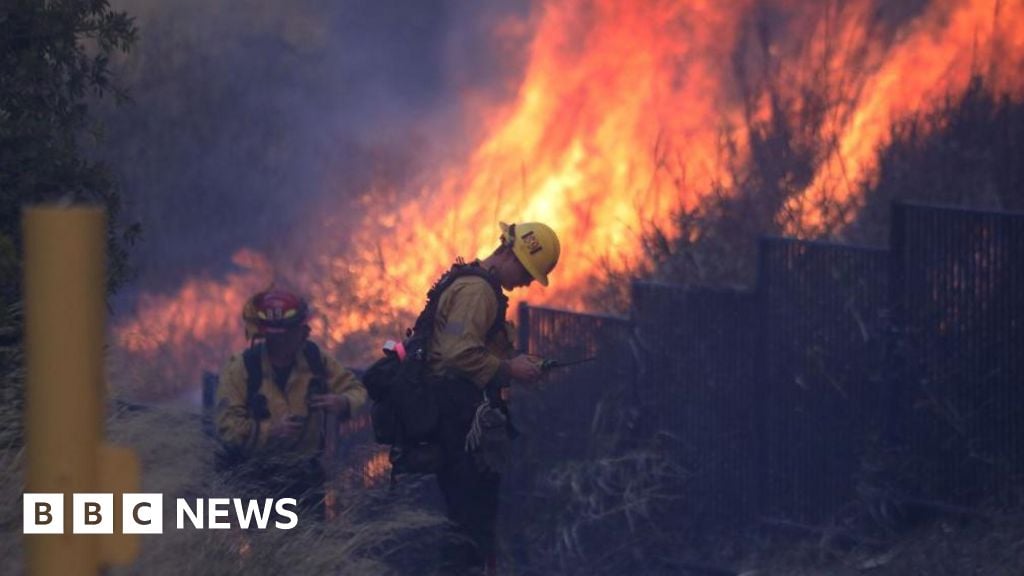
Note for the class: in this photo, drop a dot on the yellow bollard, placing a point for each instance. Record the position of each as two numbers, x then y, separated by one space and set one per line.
65 314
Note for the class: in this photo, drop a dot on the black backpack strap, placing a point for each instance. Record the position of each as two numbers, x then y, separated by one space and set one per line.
252 358
475 269
315 359
316 365
425 321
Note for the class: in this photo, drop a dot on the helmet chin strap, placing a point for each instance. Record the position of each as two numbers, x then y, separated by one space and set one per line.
498 267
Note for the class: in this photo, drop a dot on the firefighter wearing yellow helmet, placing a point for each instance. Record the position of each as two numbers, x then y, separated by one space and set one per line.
535 245
472 358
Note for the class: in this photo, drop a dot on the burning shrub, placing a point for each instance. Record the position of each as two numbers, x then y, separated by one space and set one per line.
962 153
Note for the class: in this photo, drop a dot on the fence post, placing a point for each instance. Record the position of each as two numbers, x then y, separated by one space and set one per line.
761 474
523 327
897 370
65 319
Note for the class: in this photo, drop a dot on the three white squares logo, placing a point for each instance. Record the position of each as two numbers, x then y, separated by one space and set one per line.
92 513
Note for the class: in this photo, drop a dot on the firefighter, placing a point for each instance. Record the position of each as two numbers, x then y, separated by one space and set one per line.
472 360
273 401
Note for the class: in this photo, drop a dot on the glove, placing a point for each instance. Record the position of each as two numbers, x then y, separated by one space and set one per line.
488 439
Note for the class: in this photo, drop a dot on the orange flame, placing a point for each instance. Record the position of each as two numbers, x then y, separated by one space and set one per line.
376 469
935 55
619 121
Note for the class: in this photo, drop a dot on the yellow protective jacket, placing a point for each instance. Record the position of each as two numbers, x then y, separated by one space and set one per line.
460 345
238 429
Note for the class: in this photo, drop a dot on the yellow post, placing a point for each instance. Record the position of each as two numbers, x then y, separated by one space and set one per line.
65 318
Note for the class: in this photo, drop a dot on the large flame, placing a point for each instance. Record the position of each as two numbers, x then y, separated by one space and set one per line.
935 54
624 113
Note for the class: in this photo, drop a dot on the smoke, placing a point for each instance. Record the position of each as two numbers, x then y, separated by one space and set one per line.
249 117
252 118
355 148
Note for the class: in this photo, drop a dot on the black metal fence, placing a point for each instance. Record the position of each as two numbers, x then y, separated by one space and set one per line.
697 388
822 330
563 417
566 412
772 397
568 417
958 300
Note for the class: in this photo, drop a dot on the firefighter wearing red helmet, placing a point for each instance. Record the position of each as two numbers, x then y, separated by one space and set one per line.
273 312
274 398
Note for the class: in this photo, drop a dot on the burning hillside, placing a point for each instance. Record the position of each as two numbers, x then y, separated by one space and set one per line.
625 112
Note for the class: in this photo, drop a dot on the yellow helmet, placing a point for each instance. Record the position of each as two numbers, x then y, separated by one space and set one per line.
535 245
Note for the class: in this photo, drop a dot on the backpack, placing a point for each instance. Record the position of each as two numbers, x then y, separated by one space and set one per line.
404 411
257 402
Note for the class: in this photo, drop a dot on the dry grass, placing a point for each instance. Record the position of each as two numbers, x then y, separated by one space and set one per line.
946 546
611 520
376 532
10 512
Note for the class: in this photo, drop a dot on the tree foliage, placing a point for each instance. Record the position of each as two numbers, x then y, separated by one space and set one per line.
54 61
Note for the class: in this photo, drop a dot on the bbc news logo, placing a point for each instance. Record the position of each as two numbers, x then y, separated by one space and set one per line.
93 513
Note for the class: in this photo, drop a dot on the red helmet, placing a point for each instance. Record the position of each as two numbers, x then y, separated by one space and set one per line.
275 311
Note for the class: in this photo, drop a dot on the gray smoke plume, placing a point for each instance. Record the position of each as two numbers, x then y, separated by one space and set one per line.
248 115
